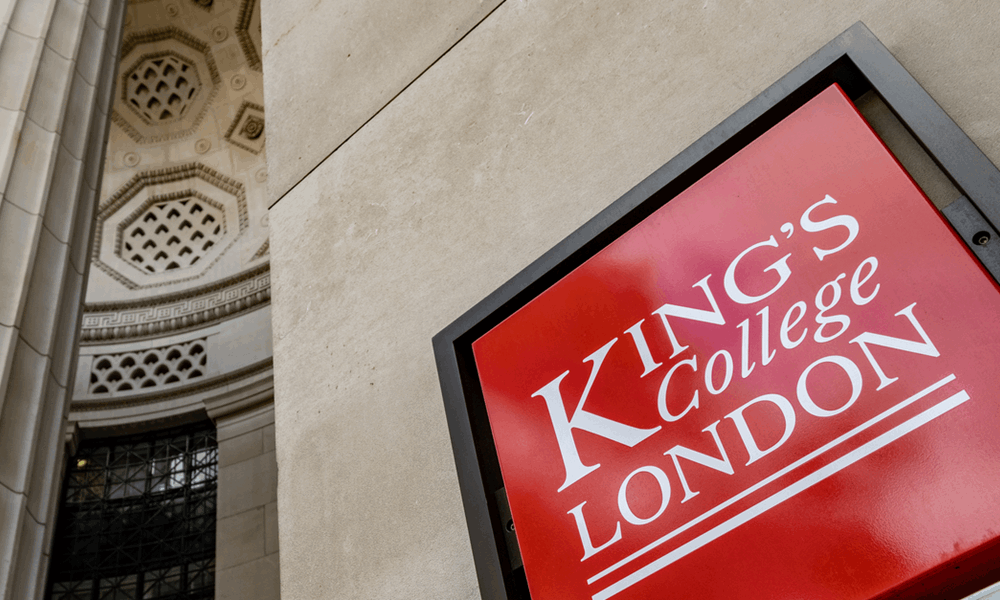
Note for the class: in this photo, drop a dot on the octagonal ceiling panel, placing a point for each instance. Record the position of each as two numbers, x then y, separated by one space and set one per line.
168 226
167 83
161 88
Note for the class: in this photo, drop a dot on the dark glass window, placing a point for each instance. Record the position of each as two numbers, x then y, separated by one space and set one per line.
137 519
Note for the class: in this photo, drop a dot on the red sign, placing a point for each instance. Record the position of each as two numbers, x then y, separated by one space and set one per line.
782 384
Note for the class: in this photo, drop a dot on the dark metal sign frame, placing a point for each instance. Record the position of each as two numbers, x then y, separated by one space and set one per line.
859 63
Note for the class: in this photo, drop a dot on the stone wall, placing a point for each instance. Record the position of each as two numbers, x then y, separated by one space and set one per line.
424 153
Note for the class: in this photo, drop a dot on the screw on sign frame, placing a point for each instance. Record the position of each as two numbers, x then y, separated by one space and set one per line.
855 61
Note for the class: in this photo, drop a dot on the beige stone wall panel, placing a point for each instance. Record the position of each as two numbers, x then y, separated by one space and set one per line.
19 416
80 106
105 13
83 232
342 62
6 10
241 538
30 176
46 479
67 181
8 342
250 483
19 56
19 233
29 580
91 53
32 18
544 114
257 580
11 122
47 281
240 448
67 27
54 77
11 512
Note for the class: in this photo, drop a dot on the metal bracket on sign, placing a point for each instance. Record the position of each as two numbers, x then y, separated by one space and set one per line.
976 231
510 536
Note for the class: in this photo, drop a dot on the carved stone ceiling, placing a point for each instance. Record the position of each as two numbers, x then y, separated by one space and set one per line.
183 203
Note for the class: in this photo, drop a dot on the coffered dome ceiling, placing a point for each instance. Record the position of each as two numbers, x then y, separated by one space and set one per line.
183 200
180 253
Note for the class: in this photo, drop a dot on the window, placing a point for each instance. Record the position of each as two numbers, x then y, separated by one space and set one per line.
137 519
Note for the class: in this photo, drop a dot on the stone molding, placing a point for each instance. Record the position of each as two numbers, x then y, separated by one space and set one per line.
243 34
113 322
263 251
167 175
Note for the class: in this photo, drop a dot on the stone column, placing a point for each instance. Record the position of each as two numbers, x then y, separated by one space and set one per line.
57 66
246 559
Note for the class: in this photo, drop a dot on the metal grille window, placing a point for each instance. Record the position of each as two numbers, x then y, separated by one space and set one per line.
138 520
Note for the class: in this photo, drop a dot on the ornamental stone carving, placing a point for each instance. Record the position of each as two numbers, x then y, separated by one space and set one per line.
247 129
178 312
149 368
175 234
168 226
248 32
169 80
162 87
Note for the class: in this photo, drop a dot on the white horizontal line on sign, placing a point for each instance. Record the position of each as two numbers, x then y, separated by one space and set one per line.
815 453
790 491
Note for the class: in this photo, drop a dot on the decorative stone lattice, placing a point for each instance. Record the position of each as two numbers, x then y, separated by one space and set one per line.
129 205
173 235
150 368
162 87
143 109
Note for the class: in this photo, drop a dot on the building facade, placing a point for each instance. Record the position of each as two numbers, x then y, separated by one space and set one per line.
423 154
418 156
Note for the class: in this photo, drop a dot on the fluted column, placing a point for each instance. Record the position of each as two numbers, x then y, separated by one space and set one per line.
57 66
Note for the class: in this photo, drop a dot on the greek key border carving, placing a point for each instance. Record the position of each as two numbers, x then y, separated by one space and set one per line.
175 313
